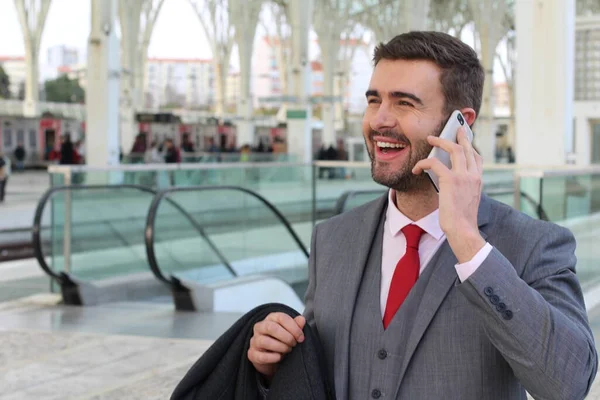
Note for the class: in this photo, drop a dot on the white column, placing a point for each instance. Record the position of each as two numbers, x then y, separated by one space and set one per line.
245 125
102 94
245 18
32 18
583 141
544 80
129 17
340 85
299 114
330 46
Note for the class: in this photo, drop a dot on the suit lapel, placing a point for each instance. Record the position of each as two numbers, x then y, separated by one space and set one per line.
360 244
441 282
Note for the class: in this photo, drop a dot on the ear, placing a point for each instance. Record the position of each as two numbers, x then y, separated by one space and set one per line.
469 114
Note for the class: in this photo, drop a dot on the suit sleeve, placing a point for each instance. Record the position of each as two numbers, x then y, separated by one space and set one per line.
309 313
538 321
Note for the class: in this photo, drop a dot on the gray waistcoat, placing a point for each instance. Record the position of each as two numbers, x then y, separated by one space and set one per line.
376 355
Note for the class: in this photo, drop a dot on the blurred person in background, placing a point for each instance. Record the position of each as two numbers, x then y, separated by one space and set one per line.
172 155
67 151
153 155
20 155
245 153
4 174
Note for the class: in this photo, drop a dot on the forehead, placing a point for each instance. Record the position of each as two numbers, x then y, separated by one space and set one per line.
419 77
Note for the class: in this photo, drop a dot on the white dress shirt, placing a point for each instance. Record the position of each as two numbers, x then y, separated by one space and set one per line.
394 246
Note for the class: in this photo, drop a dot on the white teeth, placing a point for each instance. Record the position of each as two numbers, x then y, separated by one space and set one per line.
390 145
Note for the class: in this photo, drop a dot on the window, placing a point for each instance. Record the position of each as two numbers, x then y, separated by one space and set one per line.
7 138
32 138
21 136
595 142
587 64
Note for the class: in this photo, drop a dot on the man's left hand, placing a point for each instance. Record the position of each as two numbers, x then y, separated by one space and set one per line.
460 194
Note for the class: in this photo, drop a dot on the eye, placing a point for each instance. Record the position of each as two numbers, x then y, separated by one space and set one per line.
372 100
405 103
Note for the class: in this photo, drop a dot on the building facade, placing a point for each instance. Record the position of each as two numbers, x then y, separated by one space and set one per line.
178 82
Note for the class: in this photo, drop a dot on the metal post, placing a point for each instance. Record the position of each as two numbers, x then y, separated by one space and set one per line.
517 191
67 223
314 193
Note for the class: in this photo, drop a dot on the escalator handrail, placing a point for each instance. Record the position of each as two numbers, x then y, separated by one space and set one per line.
541 213
149 236
340 205
153 212
37 222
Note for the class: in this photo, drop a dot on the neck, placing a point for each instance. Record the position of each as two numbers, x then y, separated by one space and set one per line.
417 204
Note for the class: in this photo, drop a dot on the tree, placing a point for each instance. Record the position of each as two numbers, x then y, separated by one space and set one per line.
220 31
4 84
64 90
279 37
330 20
450 16
392 17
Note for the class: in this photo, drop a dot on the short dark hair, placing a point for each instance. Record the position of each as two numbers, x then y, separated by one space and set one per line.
462 74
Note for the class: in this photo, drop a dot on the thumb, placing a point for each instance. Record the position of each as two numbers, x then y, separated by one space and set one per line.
301 321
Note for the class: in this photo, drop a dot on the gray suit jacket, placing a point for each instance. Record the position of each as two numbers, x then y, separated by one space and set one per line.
462 346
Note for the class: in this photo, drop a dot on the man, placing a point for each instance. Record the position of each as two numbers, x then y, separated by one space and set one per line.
67 151
4 174
496 310
20 154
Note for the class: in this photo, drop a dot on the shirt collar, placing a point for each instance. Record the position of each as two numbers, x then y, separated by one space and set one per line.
429 223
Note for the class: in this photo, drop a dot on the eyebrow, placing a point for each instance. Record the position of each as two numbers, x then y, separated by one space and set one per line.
395 94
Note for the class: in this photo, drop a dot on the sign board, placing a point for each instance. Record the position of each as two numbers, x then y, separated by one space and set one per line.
296 114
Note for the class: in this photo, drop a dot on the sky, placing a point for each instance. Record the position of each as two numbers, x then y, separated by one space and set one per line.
177 33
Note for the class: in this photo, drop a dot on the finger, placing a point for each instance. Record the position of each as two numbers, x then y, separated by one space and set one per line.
479 162
263 357
457 154
267 343
468 149
276 331
431 164
301 321
289 324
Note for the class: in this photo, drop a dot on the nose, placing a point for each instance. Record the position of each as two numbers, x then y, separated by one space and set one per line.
383 120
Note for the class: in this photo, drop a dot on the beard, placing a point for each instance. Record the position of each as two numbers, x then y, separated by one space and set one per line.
402 179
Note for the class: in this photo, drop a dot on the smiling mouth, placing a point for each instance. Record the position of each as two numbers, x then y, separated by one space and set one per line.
388 147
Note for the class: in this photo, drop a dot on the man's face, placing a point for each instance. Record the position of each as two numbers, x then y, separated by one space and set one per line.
405 105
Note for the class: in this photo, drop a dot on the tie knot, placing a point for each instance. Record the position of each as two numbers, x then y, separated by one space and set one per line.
413 235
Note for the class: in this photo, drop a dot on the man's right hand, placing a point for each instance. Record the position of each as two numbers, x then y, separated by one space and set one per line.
274 337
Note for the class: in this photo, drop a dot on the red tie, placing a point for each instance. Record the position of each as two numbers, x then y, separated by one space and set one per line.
405 274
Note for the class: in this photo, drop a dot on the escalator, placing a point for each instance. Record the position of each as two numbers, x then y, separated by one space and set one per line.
258 259
104 228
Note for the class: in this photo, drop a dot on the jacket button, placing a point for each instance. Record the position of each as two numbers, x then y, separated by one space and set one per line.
507 315
382 354
376 393
494 299
488 291
500 307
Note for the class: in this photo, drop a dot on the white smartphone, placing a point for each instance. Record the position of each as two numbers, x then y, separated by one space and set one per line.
449 132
